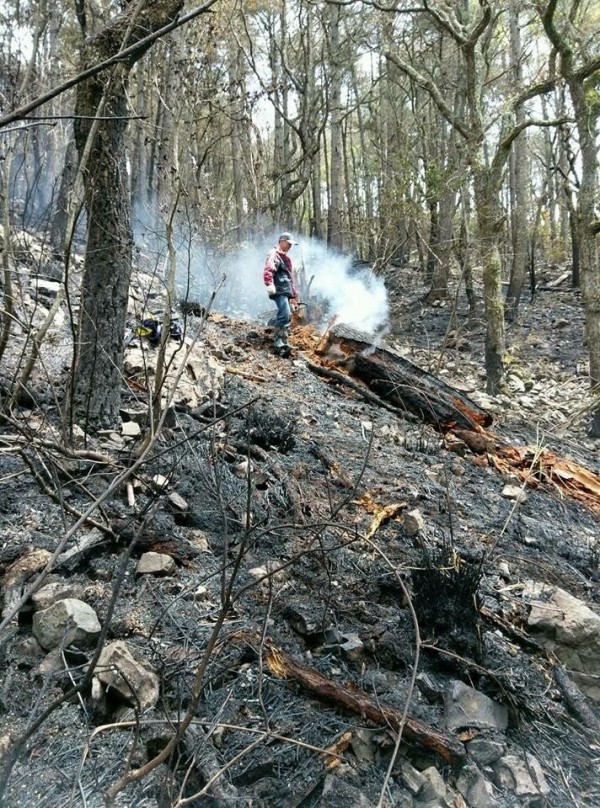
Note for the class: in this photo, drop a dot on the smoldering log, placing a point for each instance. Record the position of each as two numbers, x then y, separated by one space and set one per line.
406 385
359 702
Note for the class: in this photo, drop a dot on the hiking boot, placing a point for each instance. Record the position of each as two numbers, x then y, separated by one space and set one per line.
280 338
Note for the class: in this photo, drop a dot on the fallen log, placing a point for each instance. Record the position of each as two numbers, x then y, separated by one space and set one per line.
575 700
404 384
356 700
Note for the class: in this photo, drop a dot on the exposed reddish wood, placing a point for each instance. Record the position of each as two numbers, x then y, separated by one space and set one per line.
352 698
536 467
408 387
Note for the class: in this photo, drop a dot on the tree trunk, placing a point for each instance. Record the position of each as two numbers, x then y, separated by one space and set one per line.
98 371
581 82
519 185
336 166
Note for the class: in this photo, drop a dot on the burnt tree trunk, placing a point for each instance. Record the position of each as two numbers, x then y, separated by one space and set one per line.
107 271
406 385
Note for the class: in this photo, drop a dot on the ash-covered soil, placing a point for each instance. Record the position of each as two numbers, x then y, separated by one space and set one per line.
293 496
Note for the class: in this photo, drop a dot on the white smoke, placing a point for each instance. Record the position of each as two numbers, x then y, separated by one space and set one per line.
355 296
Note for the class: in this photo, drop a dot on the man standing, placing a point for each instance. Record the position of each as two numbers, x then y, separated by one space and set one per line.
279 279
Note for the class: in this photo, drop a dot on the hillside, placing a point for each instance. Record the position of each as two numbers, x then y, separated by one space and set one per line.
374 573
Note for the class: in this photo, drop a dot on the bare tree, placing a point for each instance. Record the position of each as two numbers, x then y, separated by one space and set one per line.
582 77
108 260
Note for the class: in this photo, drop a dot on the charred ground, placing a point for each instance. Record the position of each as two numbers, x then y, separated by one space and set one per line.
299 490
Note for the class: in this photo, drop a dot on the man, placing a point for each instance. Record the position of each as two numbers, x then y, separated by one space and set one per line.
279 279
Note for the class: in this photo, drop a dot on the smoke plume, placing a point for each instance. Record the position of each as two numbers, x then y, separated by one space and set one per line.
354 295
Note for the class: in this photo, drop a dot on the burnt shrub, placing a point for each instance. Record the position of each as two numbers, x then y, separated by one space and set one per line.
270 430
446 601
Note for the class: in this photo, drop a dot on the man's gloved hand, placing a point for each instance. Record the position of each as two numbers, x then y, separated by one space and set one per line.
271 290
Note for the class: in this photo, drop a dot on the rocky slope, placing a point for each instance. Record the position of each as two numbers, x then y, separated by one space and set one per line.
295 567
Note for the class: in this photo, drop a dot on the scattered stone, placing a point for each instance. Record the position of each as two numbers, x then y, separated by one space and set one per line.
466 707
178 502
257 572
155 564
413 522
119 669
513 492
434 787
160 481
523 776
430 687
352 647
202 593
413 779
485 750
65 622
571 630
477 791
130 429
53 592
198 538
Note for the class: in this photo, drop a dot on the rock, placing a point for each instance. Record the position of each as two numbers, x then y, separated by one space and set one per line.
523 776
430 687
477 791
44 287
28 651
571 630
434 787
466 707
485 751
352 647
504 569
413 779
130 429
513 492
119 669
160 481
516 383
65 622
202 593
155 564
53 592
338 791
413 522
199 539
178 502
